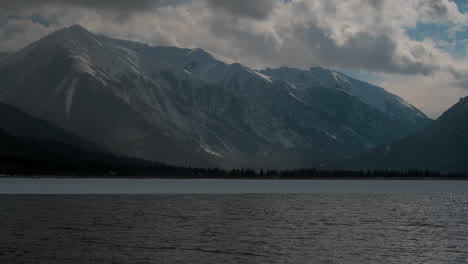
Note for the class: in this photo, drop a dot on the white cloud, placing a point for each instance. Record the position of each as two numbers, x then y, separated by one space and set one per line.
350 34
431 94
17 33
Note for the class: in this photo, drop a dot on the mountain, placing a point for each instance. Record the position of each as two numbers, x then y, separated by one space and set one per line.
189 107
29 145
373 95
31 156
3 54
442 145
20 124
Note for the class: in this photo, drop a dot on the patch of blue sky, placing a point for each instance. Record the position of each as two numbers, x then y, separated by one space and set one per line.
429 30
40 20
462 5
448 37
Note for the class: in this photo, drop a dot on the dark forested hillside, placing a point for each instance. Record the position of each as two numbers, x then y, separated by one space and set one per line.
20 124
26 156
29 145
443 145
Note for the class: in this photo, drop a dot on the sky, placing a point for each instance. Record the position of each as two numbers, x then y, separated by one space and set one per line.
416 49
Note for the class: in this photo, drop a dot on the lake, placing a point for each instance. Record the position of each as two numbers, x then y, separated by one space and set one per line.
227 221
209 186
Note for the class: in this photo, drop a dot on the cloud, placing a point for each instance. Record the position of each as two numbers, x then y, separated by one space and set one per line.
368 35
9 6
254 9
352 34
16 33
431 94
117 9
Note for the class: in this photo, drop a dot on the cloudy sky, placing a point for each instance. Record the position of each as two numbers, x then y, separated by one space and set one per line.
414 48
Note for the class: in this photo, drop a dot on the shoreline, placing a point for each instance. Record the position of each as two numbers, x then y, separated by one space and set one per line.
233 178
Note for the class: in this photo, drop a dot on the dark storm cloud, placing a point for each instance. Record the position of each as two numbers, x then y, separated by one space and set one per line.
8 6
254 9
118 4
352 34
247 8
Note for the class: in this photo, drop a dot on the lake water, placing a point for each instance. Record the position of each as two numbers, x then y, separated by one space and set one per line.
296 222
166 186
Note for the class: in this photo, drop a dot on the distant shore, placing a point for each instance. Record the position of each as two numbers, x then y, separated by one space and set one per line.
444 178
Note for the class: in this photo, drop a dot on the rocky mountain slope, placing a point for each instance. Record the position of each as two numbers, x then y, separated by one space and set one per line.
373 95
188 107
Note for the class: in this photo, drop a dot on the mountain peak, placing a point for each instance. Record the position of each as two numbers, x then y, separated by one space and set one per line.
75 38
318 68
199 53
75 30
200 50
77 27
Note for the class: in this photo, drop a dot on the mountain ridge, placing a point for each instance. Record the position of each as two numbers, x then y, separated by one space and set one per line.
186 107
442 145
371 94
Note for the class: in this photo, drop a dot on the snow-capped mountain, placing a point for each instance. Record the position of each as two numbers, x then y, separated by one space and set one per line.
187 106
373 95
442 145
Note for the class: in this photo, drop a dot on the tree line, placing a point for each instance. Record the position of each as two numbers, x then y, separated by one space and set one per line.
106 166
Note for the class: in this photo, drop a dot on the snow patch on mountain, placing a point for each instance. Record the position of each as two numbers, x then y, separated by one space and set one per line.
295 97
69 95
339 77
264 77
149 96
211 152
370 94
